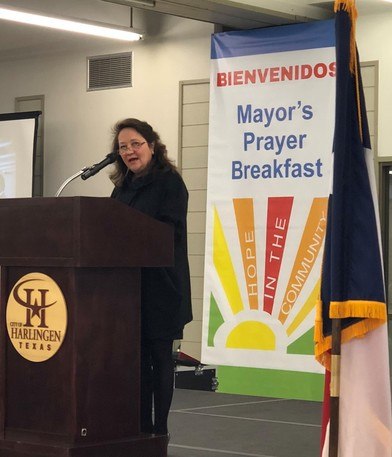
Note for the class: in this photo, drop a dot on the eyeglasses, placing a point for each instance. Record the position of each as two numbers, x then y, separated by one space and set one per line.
134 145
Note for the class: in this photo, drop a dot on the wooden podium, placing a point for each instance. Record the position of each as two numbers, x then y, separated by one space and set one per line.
84 400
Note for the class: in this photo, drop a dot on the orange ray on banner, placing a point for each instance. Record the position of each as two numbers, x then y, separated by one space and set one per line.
306 309
309 248
243 208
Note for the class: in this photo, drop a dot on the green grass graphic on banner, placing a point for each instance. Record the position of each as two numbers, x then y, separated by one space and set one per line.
271 383
216 320
304 345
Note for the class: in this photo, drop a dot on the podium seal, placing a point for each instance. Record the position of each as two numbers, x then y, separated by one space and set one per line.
36 317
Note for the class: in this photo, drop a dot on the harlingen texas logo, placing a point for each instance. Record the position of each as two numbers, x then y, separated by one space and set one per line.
36 317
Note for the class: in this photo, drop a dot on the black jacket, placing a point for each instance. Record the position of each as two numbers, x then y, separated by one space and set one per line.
165 291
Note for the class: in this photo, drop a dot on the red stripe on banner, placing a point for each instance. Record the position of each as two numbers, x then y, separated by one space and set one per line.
278 218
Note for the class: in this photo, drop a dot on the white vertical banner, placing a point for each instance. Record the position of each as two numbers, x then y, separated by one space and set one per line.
270 142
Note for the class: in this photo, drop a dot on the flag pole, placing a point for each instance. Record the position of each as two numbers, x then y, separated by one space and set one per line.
349 6
335 389
352 282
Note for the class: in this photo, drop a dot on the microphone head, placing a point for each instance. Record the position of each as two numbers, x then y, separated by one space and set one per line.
112 156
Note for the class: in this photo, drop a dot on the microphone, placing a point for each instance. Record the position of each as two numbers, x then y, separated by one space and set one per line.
94 169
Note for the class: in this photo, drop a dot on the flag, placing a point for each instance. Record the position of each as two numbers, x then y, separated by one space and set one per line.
352 285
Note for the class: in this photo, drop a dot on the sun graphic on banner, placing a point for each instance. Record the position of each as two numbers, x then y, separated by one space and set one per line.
252 335
261 322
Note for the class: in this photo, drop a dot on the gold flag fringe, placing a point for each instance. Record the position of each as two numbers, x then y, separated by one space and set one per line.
358 308
374 315
349 6
318 322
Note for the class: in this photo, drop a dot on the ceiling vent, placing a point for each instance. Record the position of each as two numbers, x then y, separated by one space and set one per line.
110 71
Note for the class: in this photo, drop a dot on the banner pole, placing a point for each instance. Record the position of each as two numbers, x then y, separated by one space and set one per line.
335 388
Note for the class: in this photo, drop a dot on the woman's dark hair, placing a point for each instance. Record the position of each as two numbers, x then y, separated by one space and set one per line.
160 161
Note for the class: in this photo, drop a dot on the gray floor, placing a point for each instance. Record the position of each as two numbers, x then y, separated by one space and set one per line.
208 424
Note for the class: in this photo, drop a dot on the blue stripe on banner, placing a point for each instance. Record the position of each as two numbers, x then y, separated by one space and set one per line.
311 35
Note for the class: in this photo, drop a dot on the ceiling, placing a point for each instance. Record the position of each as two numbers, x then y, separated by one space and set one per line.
256 12
18 40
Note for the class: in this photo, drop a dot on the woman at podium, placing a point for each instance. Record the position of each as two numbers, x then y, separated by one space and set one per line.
146 180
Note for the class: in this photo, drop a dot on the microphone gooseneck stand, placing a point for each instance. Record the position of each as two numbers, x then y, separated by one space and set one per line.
67 181
87 172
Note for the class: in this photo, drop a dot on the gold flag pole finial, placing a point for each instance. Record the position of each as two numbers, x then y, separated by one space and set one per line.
349 6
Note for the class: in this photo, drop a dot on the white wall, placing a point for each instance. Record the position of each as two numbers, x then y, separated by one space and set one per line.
78 123
373 40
